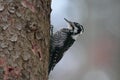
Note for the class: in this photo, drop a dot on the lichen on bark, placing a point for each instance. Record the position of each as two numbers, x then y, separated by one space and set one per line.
24 39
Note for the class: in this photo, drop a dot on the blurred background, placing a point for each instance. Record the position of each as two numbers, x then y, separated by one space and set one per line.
96 53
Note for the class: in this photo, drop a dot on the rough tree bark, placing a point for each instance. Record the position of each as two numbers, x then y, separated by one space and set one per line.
24 39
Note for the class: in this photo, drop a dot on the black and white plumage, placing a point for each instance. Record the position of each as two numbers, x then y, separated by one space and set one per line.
61 41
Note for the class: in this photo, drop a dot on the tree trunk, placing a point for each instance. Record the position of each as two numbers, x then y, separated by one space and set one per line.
24 39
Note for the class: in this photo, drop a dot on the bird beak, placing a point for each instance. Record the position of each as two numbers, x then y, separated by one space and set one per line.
69 23
66 20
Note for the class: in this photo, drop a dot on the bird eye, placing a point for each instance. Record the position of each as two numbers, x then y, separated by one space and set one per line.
77 24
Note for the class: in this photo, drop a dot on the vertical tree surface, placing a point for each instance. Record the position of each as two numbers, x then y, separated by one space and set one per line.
24 39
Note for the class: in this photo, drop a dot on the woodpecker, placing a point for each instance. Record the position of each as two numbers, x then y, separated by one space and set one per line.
62 40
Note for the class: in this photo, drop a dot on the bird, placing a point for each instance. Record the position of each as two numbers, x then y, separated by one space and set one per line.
61 41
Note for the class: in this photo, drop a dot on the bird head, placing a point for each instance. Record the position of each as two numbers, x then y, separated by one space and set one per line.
75 27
